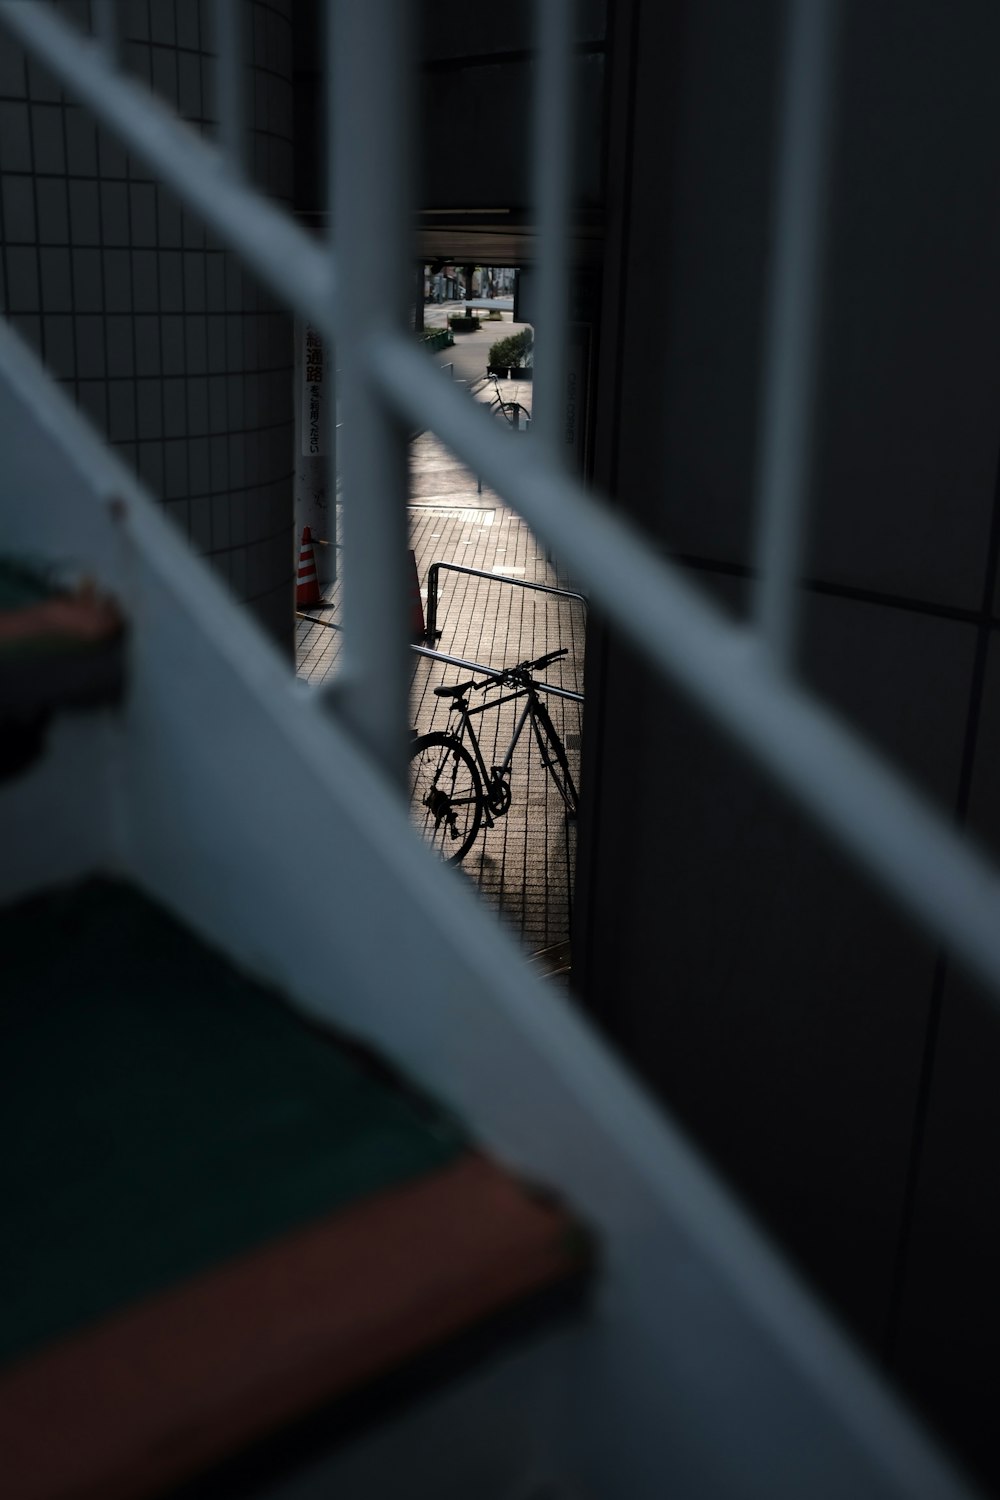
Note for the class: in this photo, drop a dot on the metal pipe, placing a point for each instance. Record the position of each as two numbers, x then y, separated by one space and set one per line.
867 808
476 666
552 149
285 258
434 571
229 40
454 661
791 358
369 190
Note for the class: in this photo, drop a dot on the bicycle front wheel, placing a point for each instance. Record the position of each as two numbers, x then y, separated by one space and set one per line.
446 794
554 758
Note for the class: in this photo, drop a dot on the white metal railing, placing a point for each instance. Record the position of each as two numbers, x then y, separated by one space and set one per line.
702 1368
740 676
793 317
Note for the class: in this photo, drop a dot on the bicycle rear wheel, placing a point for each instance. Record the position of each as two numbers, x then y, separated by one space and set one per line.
446 794
554 758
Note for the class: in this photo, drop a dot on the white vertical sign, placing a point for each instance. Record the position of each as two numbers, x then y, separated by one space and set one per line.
315 441
313 417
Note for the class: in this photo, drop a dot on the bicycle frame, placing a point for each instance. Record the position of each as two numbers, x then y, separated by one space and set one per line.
508 410
494 777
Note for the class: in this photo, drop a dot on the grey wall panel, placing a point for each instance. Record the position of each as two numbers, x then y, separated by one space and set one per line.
476 130
693 274
760 984
770 995
910 380
907 451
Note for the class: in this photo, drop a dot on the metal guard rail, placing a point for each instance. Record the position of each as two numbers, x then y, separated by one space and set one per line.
431 633
476 666
455 661
741 678
738 676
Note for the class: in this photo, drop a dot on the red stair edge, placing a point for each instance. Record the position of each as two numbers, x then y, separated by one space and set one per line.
162 1390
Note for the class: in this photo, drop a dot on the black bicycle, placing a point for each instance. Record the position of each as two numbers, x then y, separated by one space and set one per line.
512 412
452 790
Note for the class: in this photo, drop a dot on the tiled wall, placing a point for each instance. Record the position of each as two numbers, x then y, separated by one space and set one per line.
171 349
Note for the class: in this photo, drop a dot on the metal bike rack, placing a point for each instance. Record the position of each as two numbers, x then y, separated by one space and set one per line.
431 633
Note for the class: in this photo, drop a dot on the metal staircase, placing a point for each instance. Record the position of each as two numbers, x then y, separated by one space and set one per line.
702 1367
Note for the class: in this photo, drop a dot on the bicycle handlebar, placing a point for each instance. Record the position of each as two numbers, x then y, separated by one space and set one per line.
513 674
544 661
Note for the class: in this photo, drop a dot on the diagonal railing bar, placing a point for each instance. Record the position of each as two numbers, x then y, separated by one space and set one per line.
724 668
791 355
282 255
845 786
885 824
553 154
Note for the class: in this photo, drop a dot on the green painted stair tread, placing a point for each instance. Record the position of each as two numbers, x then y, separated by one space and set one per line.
20 584
164 1113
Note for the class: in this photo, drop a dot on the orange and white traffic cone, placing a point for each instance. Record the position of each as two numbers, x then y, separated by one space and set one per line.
417 629
307 588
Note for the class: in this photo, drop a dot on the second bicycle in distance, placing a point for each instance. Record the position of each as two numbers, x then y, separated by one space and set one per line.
452 790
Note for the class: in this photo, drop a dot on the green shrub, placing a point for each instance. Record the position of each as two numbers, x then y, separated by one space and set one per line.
513 350
460 324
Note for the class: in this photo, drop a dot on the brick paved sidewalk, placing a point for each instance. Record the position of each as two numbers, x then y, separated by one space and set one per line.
523 865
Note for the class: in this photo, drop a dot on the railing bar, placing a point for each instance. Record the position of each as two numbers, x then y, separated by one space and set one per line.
791 351
866 807
229 75
553 152
847 788
275 248
368 81
106 29
517 583
476 666
315 620
435 569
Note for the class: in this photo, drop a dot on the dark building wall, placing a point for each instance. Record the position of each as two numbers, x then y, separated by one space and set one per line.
832 1062
173 352
475 105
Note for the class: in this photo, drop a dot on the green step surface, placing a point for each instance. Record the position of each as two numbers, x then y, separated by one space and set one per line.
20 585
163 1113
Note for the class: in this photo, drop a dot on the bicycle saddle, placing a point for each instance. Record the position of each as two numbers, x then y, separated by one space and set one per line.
455 690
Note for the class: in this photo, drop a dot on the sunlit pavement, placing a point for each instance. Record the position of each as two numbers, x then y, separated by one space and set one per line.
524 864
